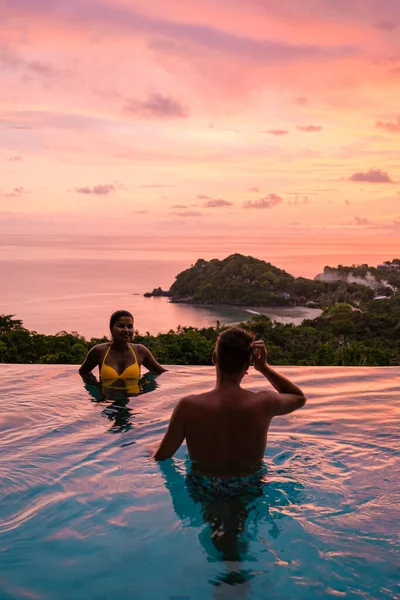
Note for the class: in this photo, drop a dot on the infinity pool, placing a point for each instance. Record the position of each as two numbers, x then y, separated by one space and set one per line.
85 513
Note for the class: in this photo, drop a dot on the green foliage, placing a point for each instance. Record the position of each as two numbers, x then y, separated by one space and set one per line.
244 280
340 336
236 280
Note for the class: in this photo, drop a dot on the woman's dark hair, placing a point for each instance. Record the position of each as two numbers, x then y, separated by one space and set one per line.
116 315
233 349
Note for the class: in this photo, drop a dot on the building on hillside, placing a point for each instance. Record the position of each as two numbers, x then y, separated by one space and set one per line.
389 267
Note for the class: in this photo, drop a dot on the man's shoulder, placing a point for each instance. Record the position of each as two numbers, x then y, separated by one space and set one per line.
266 397
194 398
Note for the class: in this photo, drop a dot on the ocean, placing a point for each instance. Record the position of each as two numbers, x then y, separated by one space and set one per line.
73 283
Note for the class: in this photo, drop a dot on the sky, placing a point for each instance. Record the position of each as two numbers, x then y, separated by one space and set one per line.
204 117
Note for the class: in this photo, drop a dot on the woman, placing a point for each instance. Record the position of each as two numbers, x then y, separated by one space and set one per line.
119 359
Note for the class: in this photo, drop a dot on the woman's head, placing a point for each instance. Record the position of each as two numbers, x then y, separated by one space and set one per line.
233 350
121 325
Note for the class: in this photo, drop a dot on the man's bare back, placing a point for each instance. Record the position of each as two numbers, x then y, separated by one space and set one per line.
226 428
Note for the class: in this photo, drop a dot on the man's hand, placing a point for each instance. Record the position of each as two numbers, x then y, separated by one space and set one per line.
259 355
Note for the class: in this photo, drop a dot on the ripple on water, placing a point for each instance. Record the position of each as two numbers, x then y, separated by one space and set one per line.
86 514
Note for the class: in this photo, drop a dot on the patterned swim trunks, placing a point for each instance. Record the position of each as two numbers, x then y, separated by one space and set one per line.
202 488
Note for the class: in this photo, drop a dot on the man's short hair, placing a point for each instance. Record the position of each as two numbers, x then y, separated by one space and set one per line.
233 350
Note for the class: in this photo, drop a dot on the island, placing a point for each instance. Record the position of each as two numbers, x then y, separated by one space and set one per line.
240 280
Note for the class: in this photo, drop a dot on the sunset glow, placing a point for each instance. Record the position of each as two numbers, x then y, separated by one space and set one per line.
206 117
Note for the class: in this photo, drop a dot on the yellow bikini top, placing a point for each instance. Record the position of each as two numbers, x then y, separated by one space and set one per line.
131 372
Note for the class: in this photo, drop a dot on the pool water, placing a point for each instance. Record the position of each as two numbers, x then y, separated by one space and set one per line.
85 513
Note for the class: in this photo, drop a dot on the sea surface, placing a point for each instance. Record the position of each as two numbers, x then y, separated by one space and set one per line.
86 513
74 283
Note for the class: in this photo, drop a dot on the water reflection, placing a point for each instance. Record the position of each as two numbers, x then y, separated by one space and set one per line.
117 395
232 524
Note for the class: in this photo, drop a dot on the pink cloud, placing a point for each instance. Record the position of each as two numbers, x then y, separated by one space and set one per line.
14 159
301 101
277 131
391 126
372 176
362 222
97 190
266 202
157 106
309 128
386 25
217 202
15 193
12 60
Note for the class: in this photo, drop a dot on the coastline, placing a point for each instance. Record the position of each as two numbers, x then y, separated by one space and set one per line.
280 314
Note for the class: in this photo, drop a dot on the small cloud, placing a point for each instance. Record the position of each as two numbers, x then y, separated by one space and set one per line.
15 193
347 202
14 159
392 127
157 106
386 25
213 202
253 189
42 68
9 59
372 176
277 131
309 128
97 190
179 206
188 213
362 222
301 101
266 202
141 212
217 202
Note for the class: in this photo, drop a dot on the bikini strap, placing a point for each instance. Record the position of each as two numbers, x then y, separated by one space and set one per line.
106 354
134 353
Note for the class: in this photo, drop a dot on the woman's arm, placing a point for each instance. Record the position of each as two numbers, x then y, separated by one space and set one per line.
149 361
91 362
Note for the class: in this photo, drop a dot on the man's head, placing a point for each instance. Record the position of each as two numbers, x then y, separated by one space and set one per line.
233 351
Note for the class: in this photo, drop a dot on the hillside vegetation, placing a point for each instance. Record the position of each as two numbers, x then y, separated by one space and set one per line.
244 280
340 336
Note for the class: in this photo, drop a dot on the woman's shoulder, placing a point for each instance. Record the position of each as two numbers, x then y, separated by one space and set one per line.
100 348
139 349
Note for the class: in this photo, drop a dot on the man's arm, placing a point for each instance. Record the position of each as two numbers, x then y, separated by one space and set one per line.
150 362
175 433
91 362
289 396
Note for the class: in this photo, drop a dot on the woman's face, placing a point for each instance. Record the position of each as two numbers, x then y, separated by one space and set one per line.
123 329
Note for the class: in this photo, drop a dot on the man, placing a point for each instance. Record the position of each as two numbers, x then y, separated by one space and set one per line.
226 428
